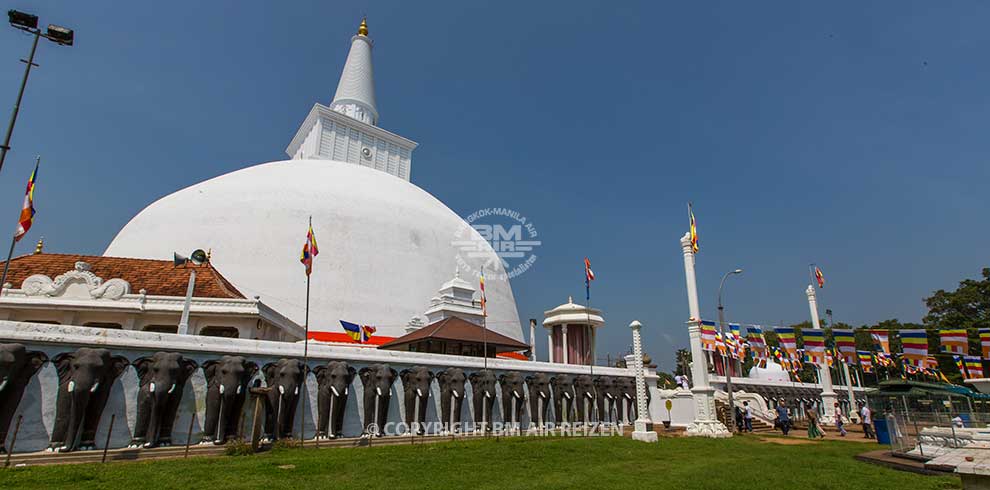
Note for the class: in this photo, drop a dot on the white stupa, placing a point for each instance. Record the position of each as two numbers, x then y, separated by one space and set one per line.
385 244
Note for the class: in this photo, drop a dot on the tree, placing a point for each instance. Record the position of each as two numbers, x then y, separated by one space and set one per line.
966 307
682 362
666 379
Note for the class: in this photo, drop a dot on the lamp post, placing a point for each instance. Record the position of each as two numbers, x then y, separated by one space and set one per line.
29 23
721 329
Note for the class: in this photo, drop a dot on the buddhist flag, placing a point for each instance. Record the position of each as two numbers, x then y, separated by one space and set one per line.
845 341
814 346
974 366
589 275
881 340
739 350
27 212
694 230
787 340
955 341
819 277
914 346
708 336
757 342
309 250
985 342
960 365
865 360
359 333
484 299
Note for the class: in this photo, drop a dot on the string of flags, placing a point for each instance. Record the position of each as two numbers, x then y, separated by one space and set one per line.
914 356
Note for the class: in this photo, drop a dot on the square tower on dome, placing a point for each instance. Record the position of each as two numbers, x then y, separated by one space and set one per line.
347 130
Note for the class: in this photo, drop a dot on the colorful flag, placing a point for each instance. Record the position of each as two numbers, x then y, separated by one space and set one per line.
819 277
814 345
360 333
309 250
881 340
974 366
985 342
845 341
955 341
694 230
914 346
27 212
708 335
738 344
589 276
787 340
960 365
484 299
756 342
865 360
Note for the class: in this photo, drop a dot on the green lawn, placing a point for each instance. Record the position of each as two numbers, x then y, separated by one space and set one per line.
528 462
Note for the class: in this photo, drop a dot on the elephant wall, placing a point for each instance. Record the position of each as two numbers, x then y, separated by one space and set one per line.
39 400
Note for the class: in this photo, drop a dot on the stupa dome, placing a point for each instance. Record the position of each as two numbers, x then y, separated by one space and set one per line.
385 244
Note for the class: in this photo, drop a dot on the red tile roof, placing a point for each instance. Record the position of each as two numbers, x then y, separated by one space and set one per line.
461 330
157 277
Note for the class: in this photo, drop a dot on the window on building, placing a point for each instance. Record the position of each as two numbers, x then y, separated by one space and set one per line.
228 332
161 328
114 326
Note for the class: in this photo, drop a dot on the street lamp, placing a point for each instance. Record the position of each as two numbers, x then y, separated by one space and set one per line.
721 329
29 23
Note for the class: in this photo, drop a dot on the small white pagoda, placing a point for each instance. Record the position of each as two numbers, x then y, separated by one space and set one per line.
571 330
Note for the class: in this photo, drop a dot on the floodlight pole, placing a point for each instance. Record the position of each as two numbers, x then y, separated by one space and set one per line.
728 364
20 95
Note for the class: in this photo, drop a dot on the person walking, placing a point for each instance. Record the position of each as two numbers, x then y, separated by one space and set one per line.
747 417
839 424
814 430
867 417
783 420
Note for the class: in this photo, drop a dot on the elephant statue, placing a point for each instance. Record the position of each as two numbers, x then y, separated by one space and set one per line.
334 381
451 381
625 399
513 399
416 382
85 378
608 391
226 389
17 366
563 398
285 380
538 385
162 379
584 388
483 396
377 380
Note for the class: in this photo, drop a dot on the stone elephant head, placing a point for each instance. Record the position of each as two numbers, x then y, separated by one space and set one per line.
451 381
84 381
17 366
416 384
627 397
563 398
513 396
483 397
377 381
608 393
540 393
285 380
584 389
162 379
226 389
334 381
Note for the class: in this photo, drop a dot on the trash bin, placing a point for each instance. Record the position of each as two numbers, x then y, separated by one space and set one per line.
883 433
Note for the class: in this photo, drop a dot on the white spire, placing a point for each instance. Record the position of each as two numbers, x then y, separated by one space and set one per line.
355 95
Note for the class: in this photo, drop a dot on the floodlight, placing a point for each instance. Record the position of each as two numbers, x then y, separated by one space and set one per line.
22 19
61 35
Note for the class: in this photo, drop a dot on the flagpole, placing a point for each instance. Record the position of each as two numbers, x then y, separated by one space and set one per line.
302 417
591 328
13 241
484 319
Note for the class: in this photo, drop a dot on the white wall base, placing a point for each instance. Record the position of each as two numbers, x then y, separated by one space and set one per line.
644 436
708 428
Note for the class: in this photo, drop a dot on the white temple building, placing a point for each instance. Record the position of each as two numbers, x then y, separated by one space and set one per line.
385 244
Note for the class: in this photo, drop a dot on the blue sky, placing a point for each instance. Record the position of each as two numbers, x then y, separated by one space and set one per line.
851 134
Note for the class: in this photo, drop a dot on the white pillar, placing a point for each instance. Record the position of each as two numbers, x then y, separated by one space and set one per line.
550 344
593 346
705 423
828 395
563 337
642 411
532 340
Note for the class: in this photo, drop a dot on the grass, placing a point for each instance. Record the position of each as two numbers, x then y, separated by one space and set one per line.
528 462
